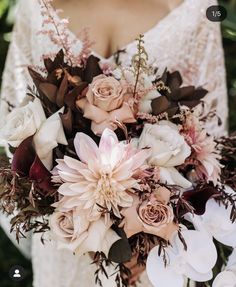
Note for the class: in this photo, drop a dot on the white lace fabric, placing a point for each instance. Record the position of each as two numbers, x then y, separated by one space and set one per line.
184 40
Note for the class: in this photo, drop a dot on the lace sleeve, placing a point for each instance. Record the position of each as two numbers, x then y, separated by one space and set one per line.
15 80
15 76
212 74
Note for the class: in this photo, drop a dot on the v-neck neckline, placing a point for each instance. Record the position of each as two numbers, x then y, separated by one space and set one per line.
150 30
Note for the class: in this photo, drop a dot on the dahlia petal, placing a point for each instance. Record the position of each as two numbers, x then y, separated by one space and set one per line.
85 147
108 141
79 187
124 171
74 163
70 202
69 177
139 158
65 190
88 175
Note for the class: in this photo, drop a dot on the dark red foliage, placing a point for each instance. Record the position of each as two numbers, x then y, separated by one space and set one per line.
199 196
24 157
41 176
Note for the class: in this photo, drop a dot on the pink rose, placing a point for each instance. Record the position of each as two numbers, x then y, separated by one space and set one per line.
152 216
69 228
106 102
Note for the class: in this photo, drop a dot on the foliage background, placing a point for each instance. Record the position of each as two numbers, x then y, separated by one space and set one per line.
9 255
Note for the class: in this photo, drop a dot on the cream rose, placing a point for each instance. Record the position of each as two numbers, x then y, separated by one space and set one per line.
152 216
105 103
168 150
69 229
72 230
22 123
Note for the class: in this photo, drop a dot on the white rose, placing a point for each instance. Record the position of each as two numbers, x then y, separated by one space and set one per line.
73 231
69 229
22 123
47 138
168 150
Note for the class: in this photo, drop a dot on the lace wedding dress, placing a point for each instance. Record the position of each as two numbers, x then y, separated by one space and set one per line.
183 40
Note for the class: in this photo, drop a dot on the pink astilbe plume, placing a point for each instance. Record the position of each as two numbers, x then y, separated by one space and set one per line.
104 176
56 29
205 156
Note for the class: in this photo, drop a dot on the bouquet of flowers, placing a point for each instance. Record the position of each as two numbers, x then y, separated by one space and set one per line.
116 161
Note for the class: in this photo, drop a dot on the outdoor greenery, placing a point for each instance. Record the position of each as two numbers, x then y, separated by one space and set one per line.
9 255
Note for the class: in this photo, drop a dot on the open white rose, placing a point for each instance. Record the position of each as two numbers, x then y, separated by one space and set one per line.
22 123
216 222
47 138
72 230
195 263
168 150
69 229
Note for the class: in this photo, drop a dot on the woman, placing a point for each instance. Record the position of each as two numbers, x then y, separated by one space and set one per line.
177 35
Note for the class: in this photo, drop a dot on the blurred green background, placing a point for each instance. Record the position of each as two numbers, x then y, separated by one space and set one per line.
9 255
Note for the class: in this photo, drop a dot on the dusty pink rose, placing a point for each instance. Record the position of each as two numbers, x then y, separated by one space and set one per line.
106 102
69 228
152 216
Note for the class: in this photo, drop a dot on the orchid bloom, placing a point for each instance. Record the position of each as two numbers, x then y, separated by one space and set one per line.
196 262
216 221
227 278
102 177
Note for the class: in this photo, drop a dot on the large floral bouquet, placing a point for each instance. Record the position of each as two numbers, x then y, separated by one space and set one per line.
116 161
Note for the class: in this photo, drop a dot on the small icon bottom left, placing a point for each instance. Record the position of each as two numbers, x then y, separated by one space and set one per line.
17 273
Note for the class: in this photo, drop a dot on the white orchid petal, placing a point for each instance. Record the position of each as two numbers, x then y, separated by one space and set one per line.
201 252
159 275
225 279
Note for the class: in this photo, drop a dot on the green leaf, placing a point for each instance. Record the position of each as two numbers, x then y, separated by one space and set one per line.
120 251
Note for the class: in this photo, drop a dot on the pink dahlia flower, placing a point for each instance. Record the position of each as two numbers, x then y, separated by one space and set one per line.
102 177
204 153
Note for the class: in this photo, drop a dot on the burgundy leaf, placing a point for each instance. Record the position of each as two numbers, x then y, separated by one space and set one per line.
67 121
61 92
49 90
71 97
160 105
24 157
92 69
